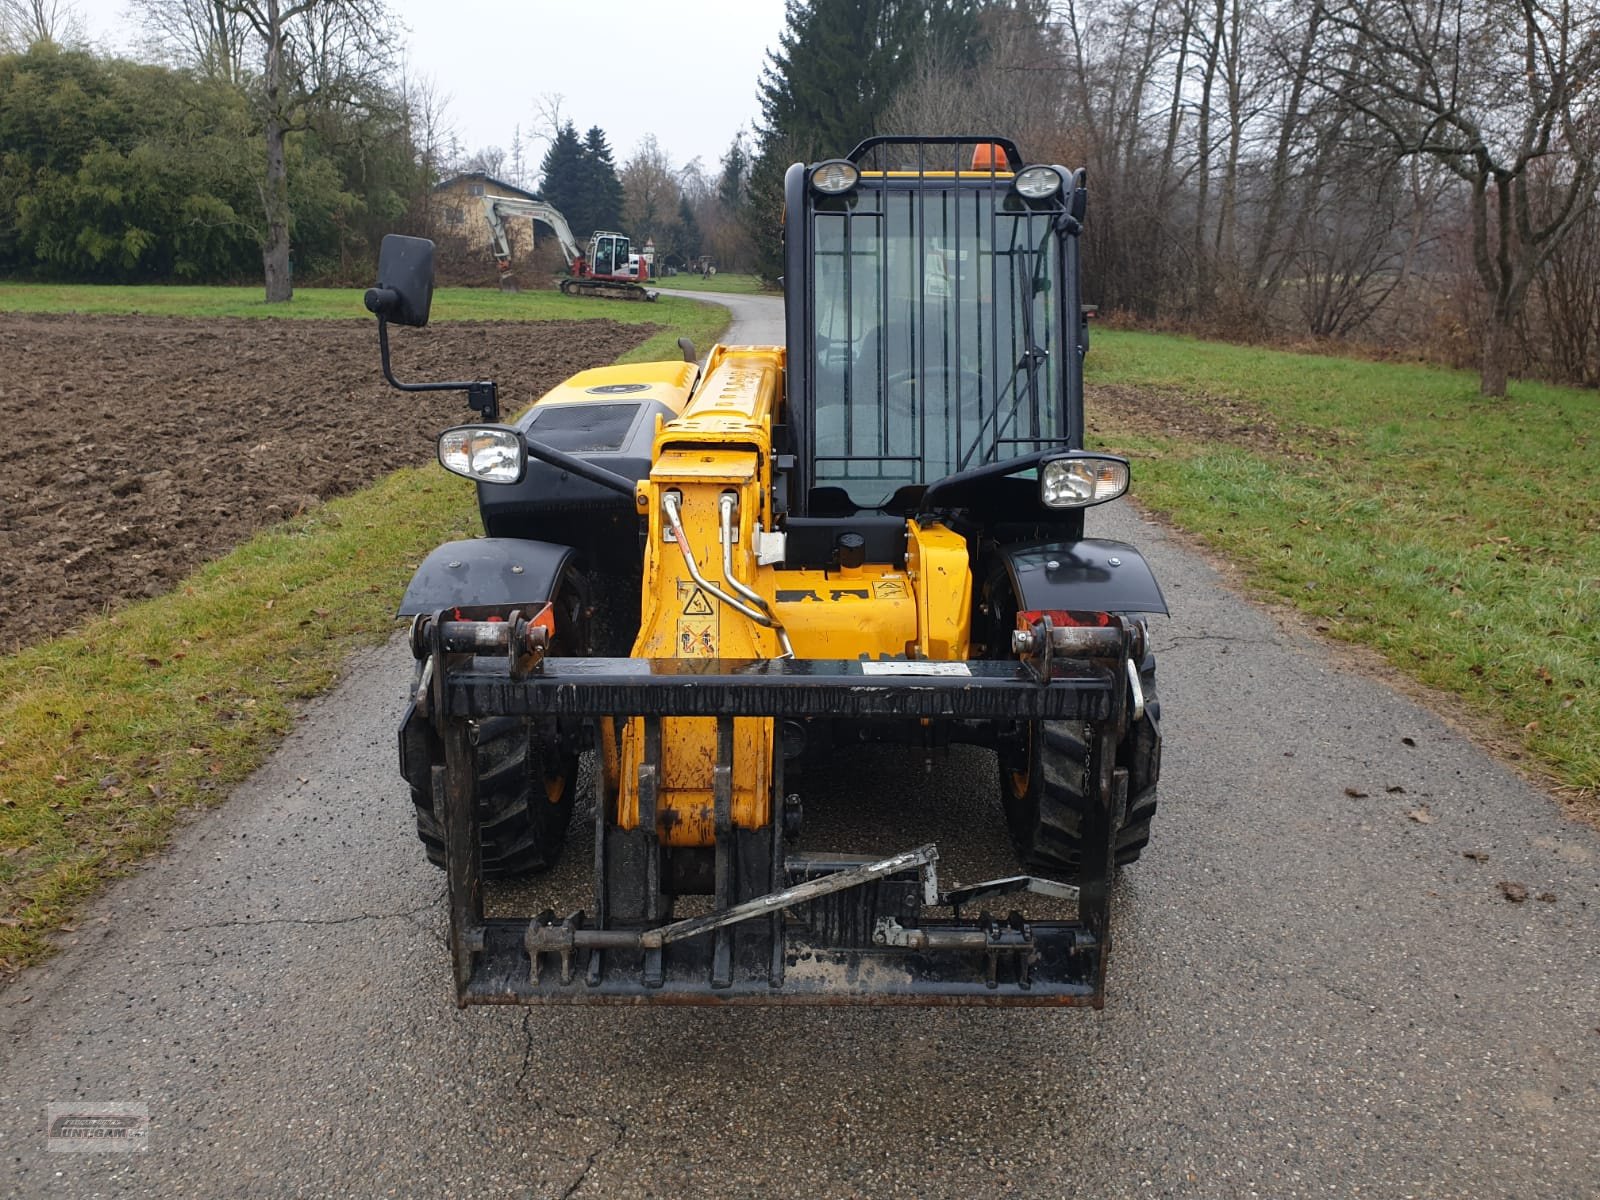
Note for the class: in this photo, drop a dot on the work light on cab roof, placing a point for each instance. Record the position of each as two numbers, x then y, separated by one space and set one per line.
835 177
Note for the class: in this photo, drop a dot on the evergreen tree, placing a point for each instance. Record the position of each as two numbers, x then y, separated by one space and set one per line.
734 182
837 66
562 172
688 244
604 185
580 179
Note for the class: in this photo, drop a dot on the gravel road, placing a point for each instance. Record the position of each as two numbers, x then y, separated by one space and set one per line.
1319 987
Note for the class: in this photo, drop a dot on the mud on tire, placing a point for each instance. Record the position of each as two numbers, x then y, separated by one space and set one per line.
527 771
1044 784
525 797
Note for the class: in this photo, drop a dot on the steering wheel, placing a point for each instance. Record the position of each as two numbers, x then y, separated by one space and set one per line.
901 390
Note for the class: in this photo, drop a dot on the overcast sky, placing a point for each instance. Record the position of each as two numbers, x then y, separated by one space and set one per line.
684 70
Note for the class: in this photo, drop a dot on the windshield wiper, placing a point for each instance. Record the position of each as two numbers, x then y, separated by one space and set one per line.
1033 355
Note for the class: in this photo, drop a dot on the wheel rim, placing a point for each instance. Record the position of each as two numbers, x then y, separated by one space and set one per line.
1017 780
555 786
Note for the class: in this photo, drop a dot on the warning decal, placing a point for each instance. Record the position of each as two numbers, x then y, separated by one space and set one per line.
697 637
889 589
694 600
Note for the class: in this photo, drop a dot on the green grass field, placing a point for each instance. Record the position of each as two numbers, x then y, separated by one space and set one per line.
720 282
449 304
1457 535
109 735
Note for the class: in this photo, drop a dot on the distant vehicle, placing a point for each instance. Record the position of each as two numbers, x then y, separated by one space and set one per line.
609 269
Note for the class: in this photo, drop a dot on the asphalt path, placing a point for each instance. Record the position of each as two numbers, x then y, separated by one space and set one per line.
1319 987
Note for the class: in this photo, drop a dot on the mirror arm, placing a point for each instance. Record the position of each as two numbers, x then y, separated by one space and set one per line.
481 394
582 468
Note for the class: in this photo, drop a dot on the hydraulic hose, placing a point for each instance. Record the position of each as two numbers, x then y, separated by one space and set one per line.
669 506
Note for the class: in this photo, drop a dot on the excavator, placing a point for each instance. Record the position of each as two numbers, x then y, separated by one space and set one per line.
608 269
716 582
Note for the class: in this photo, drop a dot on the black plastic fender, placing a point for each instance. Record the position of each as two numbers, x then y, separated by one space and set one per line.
1087 575
485 572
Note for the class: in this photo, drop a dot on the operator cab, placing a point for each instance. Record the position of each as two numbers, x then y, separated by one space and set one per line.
609 250
938 319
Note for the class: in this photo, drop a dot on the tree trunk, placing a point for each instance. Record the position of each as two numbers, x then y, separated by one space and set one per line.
1496 356
275 252
275 189
1202 258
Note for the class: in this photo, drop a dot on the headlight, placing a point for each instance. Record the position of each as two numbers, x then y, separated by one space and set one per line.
488 453
1037 183
832 178
1080 482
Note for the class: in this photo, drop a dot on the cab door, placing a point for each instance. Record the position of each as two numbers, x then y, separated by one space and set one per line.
604 257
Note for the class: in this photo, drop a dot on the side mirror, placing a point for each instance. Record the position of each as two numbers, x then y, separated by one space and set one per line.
405 280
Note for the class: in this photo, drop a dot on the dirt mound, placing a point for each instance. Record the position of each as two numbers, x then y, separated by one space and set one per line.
138 447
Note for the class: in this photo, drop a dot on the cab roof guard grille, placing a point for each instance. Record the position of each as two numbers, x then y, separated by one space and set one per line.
949 152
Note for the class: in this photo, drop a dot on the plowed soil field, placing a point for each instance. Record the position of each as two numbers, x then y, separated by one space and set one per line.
134 448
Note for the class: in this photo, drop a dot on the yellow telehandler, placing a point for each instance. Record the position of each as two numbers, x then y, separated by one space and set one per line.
700 574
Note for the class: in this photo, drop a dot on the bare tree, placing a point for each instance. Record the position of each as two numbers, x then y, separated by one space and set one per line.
649 189
1563 325
312 52
1501 93
208 35
1017 88
1127 67
1293 46
489 160
24 22
425 110
1350 244
549 115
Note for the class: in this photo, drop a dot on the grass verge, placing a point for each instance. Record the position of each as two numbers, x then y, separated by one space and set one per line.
1458 536
109 735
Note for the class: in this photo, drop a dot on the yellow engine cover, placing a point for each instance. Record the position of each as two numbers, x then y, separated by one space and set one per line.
869 610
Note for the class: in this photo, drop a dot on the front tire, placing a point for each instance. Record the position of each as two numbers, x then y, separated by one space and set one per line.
1045 782
527 770
1140 756
1045 789
525 798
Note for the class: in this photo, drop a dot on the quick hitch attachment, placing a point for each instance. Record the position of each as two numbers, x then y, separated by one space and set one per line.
522 639
1040 643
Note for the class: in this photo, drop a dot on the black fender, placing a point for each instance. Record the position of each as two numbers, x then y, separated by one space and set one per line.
485 573
1083 575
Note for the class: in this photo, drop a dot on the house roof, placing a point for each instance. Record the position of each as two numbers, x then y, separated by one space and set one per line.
484 177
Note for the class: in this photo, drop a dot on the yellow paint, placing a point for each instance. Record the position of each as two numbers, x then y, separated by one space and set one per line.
936 174
670 383
936 560
847 613
720 443
701 466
